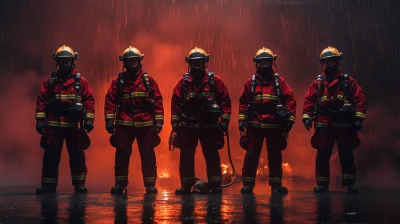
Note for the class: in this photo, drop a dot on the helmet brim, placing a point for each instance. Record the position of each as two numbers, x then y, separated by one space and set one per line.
330 56
64 56
263 57
199 57
132 56
121 58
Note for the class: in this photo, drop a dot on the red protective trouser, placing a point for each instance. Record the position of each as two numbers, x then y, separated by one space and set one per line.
127 136
324 140
275 144
207 137
51 158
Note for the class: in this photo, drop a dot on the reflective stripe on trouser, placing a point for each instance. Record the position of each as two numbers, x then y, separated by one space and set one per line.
322 167
207 139
52 156
251 160
48 181
348 179
215 180
121 180
127 135
249 181
349 169
79 180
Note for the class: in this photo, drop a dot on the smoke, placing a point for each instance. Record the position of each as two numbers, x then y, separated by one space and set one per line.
18 134
379 153
165 31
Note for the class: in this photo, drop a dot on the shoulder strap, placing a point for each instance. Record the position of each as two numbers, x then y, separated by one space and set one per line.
211 81
320 88
120 87
184 89
277 86
320 85
346 87
146 82
253 85
77 85
53 78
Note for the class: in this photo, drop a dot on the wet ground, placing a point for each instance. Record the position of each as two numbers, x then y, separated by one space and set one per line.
20 205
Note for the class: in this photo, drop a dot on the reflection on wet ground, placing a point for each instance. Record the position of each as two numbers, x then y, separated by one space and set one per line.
299 206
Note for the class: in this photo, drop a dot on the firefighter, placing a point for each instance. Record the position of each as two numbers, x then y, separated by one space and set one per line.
267 109
134 110
335 103
64 111
200 111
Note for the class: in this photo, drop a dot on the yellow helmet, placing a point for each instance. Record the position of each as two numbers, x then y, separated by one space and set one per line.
131 52
264 53
330 52
65 52
197 53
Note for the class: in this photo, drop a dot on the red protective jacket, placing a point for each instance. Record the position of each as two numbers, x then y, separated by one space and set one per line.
136 109
63 93
265 97
332 99
200 94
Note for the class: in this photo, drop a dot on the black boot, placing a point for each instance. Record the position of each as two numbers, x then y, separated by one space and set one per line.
246 190
216 190
321 189
351 189
80 189
45 190
118 189
279 189
183 190
151 190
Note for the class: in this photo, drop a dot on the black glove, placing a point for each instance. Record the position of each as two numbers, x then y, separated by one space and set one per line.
358 125
40 127
223 126
242 126
307 123
88 126
110 127
157 127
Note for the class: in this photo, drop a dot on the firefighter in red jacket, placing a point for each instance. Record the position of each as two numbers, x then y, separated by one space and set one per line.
267 109
64 111
134 110
200 110
336 105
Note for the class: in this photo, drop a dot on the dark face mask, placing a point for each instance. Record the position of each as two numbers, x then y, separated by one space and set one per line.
65 67
132 68
331 70
64 70
197 72
265 71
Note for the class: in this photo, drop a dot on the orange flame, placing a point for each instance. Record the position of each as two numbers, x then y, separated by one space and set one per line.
225 169
164 175
286 167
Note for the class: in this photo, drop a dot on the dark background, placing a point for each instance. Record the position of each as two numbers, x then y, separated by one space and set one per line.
231 31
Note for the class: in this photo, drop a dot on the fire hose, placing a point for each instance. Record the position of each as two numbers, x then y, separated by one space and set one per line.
234 176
